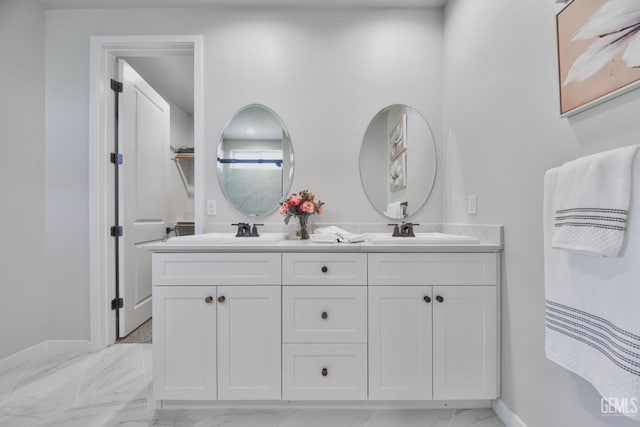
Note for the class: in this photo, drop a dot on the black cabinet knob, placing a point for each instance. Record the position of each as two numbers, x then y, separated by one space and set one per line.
427 299
208 300
325 372
324 315
439 298
221 299
324 269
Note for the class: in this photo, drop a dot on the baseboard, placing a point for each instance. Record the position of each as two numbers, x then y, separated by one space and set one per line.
508 417
23 356
52 346
326 404
68 346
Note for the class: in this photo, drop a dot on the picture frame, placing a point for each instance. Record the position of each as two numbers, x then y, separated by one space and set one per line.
585 77
398 137
398 172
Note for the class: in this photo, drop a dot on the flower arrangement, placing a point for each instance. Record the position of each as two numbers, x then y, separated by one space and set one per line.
301 205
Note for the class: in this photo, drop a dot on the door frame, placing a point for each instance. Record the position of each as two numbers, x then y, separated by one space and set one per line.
103 53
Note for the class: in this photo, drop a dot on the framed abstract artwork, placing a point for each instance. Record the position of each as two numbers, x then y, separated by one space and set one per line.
398 137
598 52
398 172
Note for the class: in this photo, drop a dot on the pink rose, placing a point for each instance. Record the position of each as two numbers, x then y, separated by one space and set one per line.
319 210
308 207
294 200
284 209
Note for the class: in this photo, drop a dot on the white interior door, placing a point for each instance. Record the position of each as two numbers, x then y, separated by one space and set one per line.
143 126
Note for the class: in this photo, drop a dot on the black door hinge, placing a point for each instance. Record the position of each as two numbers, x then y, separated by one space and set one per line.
117 303
116 86
116 158
117 231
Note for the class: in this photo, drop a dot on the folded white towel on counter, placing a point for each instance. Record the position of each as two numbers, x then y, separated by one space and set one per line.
323 238
337 234
592 322
591 202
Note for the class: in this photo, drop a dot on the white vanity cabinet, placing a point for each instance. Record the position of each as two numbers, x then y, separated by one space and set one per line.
324 324
400 342
433 342
217 326
465 342
305 325
184 342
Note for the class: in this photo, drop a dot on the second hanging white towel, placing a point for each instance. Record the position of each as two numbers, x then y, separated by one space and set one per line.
592 201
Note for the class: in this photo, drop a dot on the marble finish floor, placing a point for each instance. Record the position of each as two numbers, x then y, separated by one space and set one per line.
112 387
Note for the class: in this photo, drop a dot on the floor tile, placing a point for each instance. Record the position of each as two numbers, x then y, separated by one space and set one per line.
411 418
134 413
221 417
147 364
44 392
10 376
475 418
112 377
330 418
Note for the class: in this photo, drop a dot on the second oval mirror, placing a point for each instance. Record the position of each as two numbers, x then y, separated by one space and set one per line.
255 161
398 161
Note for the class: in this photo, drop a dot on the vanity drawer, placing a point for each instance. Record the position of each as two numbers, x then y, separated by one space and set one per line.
324 269
433 269
324 371
216 269
324 314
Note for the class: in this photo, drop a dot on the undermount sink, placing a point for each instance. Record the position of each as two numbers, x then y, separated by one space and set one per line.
226 238
423 239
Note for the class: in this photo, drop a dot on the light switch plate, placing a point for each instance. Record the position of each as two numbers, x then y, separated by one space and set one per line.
472 204
211 207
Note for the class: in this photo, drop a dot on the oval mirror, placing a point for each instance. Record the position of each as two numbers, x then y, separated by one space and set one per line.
255 161
398 161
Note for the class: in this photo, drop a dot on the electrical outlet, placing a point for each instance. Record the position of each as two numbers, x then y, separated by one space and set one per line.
472 204
211 207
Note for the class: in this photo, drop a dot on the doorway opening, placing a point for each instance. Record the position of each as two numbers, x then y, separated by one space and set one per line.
155 191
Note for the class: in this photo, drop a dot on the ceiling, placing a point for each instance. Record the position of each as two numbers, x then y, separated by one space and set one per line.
170 76
132 4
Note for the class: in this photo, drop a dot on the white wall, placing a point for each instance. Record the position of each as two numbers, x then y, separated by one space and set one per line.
23 295
502 132
325 72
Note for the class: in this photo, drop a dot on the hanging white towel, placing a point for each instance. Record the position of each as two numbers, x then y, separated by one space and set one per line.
394 210
591 306
592 202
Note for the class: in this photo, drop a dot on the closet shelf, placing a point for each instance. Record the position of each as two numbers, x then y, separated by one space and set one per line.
184 163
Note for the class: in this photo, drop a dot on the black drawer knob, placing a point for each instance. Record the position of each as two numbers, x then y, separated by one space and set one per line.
208 300
439 298
325 372
221 299
427 299
324 315
324 269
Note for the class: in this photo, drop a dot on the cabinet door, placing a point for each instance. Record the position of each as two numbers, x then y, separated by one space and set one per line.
400 342
465 342
184 342
249 343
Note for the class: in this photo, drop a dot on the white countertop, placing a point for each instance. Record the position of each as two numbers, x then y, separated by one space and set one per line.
307 246
490 241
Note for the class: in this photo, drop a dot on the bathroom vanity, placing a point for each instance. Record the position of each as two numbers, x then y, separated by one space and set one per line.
297 321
